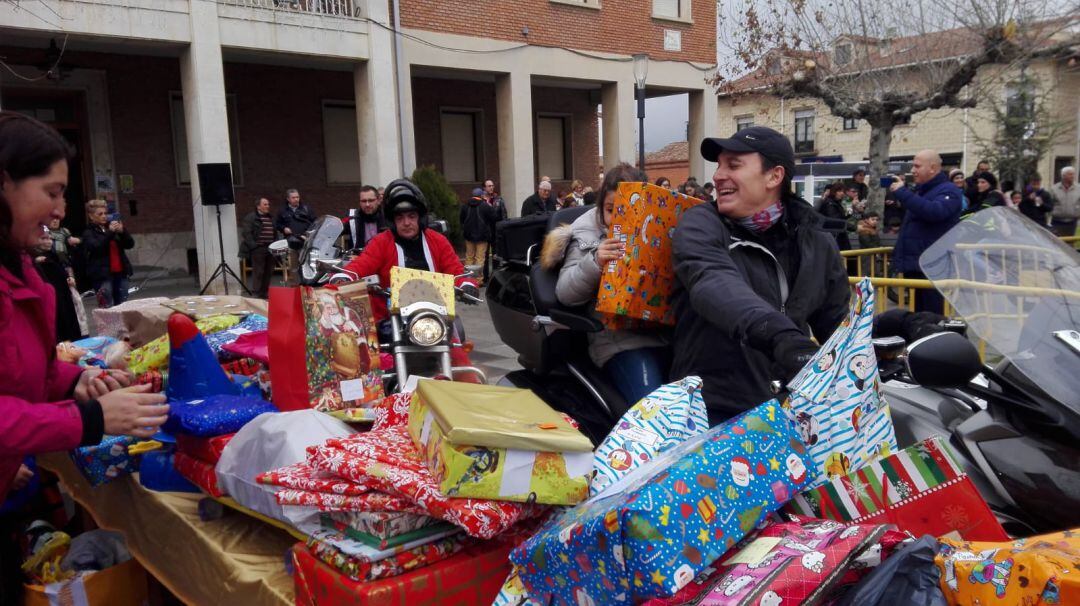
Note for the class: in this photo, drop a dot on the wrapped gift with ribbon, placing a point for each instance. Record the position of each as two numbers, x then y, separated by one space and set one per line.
502 443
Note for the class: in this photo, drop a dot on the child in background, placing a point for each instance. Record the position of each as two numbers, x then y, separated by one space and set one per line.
868 231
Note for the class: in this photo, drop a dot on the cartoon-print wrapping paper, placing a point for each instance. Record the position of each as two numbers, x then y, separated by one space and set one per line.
661 420
342 356
155 354
408 286
651 533
921 489
806 561
639 286
465 433
1039 570
106 461
387 461
836 401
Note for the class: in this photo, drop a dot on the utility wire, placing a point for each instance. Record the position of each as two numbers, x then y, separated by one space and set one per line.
55 65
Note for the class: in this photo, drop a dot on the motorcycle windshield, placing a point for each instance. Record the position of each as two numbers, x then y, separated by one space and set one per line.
1018 288
319 243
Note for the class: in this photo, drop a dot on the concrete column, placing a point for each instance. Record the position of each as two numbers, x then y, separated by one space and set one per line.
619 115
513 104
704 111
376 104
203 84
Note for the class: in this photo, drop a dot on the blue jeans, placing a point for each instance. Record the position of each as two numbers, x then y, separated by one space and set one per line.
638 372
112 291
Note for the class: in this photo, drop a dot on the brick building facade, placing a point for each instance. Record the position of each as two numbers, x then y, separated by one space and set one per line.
299 95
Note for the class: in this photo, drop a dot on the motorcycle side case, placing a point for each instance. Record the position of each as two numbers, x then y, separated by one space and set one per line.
510 304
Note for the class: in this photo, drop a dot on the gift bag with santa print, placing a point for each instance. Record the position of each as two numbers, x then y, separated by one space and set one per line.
836 404
324 351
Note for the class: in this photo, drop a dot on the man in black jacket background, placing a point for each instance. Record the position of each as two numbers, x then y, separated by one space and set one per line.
293 221
256 234
756 276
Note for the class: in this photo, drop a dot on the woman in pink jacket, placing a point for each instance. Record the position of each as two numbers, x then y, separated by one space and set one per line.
45 404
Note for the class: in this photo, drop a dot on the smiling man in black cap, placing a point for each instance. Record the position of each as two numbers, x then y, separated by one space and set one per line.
756 276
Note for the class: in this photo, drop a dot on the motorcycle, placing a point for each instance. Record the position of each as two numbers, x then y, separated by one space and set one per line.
1013 412
421 336
551 340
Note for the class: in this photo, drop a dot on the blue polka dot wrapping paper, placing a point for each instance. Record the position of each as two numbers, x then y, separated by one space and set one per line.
214 415
653 531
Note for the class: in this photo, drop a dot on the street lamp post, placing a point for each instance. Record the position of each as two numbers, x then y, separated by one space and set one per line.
641 71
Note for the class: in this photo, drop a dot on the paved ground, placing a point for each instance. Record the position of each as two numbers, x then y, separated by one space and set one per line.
489 353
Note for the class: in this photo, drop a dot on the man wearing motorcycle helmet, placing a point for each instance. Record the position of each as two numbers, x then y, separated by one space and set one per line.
408 243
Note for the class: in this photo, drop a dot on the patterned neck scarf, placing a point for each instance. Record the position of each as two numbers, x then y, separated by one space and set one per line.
763 219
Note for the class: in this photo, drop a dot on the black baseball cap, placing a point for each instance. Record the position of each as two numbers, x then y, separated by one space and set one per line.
761 139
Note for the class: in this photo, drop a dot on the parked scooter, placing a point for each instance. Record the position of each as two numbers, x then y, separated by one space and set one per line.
551 339
1013 416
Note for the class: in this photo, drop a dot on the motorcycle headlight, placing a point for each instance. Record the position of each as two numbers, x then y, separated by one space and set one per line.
426 330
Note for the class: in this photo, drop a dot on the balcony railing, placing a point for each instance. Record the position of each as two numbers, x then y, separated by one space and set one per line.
352 9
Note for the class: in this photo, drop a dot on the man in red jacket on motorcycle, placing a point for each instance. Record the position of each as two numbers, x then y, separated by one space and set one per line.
408 243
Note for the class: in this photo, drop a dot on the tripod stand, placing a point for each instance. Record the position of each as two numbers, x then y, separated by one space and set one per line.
223 268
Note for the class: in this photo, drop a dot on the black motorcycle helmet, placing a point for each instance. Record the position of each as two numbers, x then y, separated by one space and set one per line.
400 196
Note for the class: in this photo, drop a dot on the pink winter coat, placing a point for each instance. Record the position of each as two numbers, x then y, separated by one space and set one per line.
36 412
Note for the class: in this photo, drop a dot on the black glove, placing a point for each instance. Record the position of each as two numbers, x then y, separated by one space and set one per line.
791 351
472 290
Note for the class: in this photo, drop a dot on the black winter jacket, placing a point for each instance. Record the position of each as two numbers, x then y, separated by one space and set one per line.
737 291
477 217
533 205
296 219
95 245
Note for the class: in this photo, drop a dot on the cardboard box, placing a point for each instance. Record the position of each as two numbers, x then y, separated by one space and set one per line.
500 443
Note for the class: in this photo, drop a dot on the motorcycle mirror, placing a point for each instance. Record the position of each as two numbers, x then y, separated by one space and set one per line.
440 226
943 359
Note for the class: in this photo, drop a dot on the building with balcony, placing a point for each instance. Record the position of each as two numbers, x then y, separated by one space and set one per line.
324 95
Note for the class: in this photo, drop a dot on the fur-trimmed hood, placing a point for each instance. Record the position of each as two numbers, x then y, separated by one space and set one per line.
553 252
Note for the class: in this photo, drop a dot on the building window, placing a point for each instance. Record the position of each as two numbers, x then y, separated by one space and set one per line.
462 144
742 122
553 158
584 3
842 54
341 143
851 124
804 131
672 9
180 146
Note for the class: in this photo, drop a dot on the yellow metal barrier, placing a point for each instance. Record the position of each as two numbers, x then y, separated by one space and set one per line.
905 292
875 260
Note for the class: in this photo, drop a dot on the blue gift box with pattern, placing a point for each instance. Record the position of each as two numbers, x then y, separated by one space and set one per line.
652 532
106 461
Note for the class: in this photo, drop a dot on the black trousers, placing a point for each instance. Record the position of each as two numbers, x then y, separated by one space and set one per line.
262 271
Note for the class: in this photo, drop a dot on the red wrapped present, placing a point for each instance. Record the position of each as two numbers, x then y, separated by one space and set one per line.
325 501
362 562
244 366
390 462
471 577
921 489
205 449
199 473
805 561
302 476
154 378
391 411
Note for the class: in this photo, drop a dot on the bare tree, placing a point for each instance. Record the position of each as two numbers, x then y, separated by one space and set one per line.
884 62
